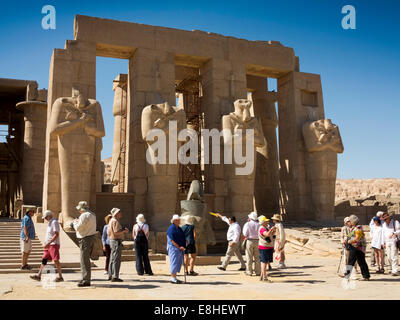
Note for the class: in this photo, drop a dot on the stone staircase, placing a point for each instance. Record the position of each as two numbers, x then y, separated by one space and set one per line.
128 252
10 252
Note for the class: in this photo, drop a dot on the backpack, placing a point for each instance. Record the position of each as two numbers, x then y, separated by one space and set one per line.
141 236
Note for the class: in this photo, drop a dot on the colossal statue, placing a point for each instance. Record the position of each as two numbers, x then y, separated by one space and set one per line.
78 124
162 175
240 175
323 142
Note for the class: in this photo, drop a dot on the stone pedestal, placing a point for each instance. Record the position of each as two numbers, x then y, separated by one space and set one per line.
35 118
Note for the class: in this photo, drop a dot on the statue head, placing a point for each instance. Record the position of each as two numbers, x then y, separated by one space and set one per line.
79 97
242 109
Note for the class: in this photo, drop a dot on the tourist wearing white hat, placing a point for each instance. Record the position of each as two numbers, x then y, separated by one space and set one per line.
280 241
346 251
357 246
391 230
51 246
140 235
85 227
176 246
116 234
371 226
250 234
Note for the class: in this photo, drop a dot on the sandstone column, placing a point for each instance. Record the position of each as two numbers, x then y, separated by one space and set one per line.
119 144
34 150
266 189
299 100
151 80
73 66
223 82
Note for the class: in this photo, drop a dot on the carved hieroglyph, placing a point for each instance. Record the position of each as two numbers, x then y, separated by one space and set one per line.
195 209
239 200
78 124
323 142
162 179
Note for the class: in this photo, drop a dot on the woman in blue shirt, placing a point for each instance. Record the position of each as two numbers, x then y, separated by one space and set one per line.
106 242
176 245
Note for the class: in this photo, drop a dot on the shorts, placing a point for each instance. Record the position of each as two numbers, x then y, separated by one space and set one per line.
26 247
266 255
52 253
190 248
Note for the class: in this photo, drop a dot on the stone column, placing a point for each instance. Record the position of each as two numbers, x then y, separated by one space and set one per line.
73 66
223 82
119 144
266 189
299 100
151 80
34 150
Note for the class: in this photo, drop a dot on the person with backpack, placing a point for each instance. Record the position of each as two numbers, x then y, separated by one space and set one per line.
140 235
190 234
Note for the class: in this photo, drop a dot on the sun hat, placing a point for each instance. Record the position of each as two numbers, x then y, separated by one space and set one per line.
47 213
379 213
354 219
262 219
82 205
175 217
276 216
347 219
253 215
114 211
140 218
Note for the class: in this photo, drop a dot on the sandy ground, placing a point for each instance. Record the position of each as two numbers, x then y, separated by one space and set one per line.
306 277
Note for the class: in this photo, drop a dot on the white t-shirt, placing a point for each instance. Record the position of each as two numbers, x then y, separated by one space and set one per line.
52 228
377 238
144 227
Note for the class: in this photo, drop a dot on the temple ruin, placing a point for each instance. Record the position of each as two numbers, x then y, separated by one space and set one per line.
202 74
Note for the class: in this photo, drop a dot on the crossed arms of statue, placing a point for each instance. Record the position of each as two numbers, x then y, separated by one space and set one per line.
65 117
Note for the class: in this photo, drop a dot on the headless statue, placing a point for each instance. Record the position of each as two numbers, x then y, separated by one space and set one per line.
78 124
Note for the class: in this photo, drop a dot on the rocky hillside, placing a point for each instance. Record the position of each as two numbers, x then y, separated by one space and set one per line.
364 188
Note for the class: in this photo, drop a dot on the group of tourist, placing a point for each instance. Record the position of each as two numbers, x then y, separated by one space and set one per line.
384 232
260 241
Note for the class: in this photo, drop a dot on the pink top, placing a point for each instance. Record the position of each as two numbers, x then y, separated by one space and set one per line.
262 230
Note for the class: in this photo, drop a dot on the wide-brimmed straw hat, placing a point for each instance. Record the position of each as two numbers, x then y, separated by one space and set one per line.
47 213
82 205
276 216
175 217
114 211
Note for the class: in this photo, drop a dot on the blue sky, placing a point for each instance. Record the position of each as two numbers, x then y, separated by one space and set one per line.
360 68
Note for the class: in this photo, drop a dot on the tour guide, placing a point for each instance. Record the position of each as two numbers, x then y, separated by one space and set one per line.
176 245
85 228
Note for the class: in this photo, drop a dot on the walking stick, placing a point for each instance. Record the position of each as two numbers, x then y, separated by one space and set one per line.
184 266
340 263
